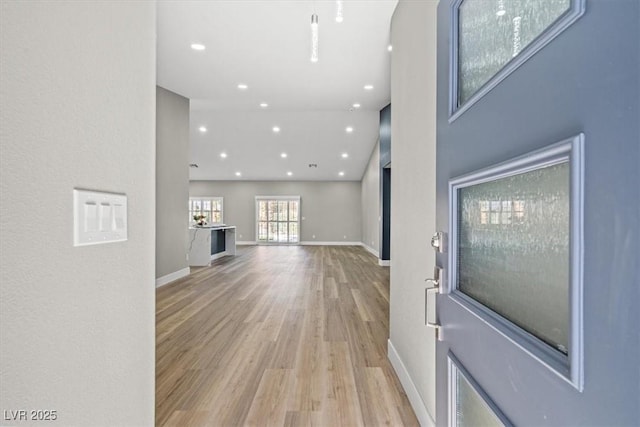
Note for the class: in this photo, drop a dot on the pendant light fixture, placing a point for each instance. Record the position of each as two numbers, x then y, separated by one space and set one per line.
314 38
339 16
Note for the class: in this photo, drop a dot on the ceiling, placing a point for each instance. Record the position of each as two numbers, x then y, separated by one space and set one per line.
266 45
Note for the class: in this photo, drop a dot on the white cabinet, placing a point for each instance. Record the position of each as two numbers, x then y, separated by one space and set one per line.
209 243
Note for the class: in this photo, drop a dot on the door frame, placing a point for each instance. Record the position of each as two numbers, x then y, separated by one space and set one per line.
257 219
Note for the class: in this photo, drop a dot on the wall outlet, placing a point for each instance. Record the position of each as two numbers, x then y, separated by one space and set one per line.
345 236
241 236
314 236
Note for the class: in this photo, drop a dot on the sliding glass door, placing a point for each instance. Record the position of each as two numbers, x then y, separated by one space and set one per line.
278 219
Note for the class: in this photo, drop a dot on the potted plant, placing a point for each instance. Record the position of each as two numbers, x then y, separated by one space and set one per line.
200 219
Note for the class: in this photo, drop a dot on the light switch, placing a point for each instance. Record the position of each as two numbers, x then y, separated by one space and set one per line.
105 217
90 217
120 216
98 217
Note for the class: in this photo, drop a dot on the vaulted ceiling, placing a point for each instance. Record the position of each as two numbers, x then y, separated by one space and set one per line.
266 45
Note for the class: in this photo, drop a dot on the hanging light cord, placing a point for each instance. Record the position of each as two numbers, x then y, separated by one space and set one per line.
314 38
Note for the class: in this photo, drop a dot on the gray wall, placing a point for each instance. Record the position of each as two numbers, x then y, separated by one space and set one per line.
77 111
331 210
413 126
172 181
371 201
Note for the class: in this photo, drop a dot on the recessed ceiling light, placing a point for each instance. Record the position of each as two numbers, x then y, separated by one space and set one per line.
283 155
202 129
341 173
242 86
356 105
368 87
349 129
223 155
238 174
501 12
289 173
345 155
390 48
276 129
264 105
198 46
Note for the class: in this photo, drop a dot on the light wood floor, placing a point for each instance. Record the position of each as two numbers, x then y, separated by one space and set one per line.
282 336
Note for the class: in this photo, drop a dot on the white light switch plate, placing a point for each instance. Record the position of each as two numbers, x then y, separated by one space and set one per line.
98 217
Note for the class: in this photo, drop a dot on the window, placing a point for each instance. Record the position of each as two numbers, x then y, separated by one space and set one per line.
471 405
491 39
501 212
500 262
278 219
210 207
515 255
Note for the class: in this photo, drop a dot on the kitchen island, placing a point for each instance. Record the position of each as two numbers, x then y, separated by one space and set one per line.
209 243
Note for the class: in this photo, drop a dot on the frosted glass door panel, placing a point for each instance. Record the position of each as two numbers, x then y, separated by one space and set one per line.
513 250
492 32
471 409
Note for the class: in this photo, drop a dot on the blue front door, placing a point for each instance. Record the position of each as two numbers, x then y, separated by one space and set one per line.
538 189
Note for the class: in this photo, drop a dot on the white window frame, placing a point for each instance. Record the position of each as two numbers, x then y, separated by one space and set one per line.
257 218
212 199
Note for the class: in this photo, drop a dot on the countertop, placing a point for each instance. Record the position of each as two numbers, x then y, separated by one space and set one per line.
214 227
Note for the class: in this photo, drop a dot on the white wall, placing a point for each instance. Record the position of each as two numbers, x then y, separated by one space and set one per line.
371 202
413 198
77 109
332 210
172 183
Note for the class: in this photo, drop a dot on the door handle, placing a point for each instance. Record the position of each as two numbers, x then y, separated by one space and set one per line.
437 273
430 295
430 315
435 283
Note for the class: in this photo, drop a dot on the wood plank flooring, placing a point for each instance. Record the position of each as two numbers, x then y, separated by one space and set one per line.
278 336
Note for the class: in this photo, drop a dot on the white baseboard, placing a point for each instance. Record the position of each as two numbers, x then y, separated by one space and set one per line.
314 243
219 255
384 262
370 249
161 281
246 242
409 387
